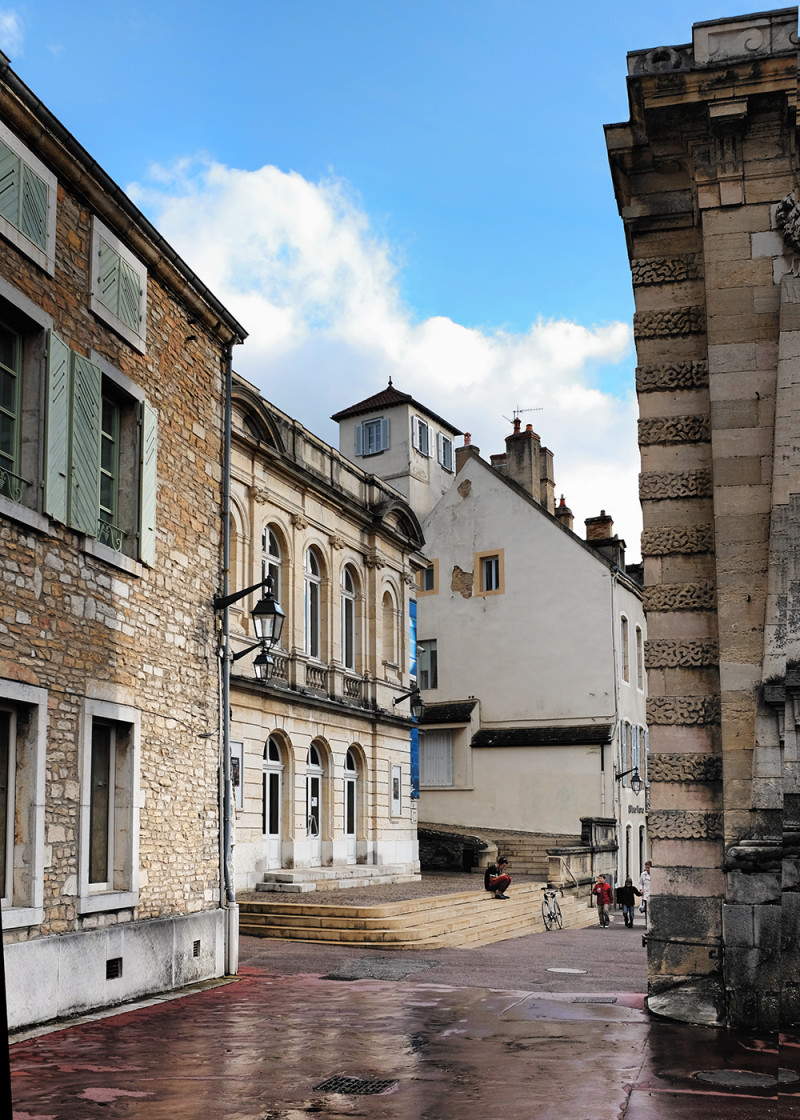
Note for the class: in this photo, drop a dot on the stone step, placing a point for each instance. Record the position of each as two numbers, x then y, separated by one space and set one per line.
341 876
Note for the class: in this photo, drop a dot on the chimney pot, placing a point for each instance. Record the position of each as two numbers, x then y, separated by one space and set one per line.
517 425
467 439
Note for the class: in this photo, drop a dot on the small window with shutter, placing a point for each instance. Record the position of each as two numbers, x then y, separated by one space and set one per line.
119 286
28 192
372 436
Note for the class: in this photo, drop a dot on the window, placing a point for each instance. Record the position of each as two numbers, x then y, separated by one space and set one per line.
271 560
420 435
350 778
388 629
27 201
23 739
348 619
490 573
10 412
428 578
312 603
444 451
626 750
427 664
624 652
271 790
397 791
372 436
639 659
489 578
101 432
119 286
109 807
436 758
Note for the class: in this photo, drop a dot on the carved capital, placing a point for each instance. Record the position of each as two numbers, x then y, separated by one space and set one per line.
667 324
787 219
299 521
674 429
681 824
336 541
664 270
675 376
655 486
680 597
682 711
374 559
259 494
678 539
669 653
684 767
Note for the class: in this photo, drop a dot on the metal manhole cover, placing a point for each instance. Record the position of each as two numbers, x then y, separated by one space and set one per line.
575 971
744 1078
354 1086
595 999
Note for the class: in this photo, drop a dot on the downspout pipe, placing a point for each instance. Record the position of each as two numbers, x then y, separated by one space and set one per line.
230 906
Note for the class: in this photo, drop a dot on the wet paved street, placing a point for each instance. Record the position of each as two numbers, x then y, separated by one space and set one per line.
465 1047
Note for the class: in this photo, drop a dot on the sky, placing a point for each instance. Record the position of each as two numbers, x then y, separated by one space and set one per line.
414 189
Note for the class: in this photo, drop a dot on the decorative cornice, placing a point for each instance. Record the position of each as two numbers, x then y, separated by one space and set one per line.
667 324
681 824
656 486
674 429
679 539
670 653
675 376
664 270
682 711
680 597
684 767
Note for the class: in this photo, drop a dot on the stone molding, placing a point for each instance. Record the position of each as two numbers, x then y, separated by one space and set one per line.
682 711
684 767
680 597
299 521
656 486
336 541
666 324
674 376
787 219
671 653
260 494
683 540
680 824
674 429
664 270
375 559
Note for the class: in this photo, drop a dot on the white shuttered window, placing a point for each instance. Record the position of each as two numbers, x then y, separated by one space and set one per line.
436 758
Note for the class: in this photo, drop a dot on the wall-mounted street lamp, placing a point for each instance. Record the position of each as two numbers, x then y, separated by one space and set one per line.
267 623
417 704
636 781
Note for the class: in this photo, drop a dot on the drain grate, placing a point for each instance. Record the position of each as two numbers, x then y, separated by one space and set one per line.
355 1086
744 1078
595 999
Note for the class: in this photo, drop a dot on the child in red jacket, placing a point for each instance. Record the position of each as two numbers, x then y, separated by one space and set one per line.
605 896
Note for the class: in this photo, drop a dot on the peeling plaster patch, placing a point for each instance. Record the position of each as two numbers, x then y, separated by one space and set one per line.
465 488
462 582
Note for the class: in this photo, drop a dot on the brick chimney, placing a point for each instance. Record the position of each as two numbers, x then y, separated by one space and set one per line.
524 459
599 532
564 513
599 528
463 453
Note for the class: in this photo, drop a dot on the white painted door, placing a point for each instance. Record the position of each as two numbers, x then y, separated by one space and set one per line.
314 806
350 806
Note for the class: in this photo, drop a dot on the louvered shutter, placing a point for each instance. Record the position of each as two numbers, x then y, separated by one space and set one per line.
108 277
436 758
57 432
415 432
359 439
147 485
384 434
10 174
87 405
130 296
33 213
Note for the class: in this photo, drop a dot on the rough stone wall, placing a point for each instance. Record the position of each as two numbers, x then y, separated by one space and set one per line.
699 171
79 625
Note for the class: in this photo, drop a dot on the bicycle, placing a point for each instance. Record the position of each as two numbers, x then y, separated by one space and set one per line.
551 911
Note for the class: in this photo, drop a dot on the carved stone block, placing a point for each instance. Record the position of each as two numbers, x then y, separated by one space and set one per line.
674 429
676 375
680 597
665 270
681 539
670 653
680 824
655 486
684 767
682 711
666 324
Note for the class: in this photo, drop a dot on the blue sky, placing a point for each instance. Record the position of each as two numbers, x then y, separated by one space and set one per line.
382 187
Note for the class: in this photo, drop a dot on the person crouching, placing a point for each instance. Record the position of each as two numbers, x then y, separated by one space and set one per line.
495 878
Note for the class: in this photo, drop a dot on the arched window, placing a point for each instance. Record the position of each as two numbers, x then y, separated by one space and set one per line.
271 790
348 619
312 604
389 640
271 560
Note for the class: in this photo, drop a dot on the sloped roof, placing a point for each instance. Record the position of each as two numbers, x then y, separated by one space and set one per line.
456 712
390 398
588 734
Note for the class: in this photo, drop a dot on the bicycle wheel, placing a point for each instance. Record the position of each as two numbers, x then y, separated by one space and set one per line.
547 916
559 920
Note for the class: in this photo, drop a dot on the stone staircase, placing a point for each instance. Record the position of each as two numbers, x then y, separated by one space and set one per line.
467 918
526 851
340 877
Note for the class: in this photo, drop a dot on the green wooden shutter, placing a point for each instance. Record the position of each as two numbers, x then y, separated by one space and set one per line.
57 435
108 277
147 485
10 174
33 212
87 405
130 296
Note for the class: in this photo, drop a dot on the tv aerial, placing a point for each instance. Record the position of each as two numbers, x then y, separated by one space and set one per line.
519 411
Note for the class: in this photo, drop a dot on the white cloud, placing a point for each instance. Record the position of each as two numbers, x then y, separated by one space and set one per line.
300 267
11 32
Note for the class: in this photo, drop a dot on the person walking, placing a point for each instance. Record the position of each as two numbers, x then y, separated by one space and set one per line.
625 899
644 888
605 896
495 878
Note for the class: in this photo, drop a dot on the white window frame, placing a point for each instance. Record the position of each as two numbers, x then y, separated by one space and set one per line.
137 338
25 906
438 772
444 451
427 667
45 258
95 898
625 653
271 559
271 766
312 589
372 436
349 626
421 435
639 659
396 791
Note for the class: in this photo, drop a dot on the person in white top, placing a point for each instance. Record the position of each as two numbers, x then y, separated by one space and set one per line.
644 887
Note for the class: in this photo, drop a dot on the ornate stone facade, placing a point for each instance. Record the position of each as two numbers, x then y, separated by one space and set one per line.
717 229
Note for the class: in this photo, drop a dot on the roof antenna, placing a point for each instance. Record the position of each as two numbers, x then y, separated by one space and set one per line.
518 412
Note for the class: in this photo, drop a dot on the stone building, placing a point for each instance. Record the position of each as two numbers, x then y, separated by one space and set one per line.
325 754
111 357
705 174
